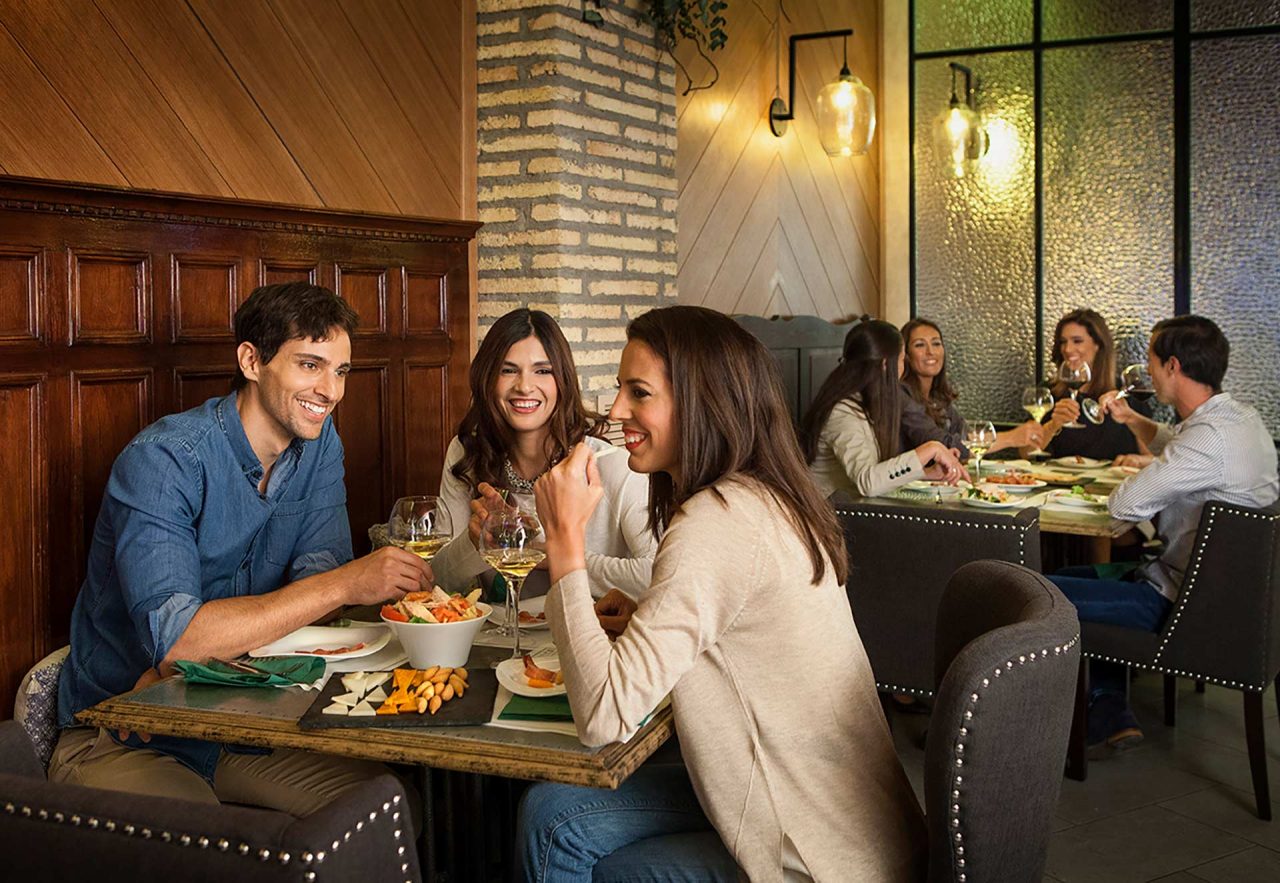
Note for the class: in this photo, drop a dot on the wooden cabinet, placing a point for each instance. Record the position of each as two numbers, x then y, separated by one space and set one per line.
116 308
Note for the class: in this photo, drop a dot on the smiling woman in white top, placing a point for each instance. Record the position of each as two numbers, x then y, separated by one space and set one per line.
850 433
526 413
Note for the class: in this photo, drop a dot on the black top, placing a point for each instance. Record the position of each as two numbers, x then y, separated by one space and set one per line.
1101 441
918 427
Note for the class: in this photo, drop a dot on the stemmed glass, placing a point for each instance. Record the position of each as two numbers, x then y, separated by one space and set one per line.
1037 401
1074 377
420 525
1134 381
978 439
512 543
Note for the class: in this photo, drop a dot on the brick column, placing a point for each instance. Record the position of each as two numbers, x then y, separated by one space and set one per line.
577 183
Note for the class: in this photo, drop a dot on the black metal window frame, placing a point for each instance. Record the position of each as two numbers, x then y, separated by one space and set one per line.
1182 38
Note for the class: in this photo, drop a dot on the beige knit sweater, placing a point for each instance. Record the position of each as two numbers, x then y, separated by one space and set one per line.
773 695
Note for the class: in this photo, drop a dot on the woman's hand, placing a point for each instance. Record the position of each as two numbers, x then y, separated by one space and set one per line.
567 496
1024 435
941 463
614 612
1064 411
488 501
1136 461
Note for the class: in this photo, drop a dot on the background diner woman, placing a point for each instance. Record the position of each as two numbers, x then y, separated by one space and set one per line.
850 433
1083 336
928 408
797 776
526 412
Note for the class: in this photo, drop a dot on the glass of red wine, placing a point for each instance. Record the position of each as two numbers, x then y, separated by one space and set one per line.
1135 383
1074 377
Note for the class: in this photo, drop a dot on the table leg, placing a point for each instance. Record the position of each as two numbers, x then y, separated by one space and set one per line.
427 846
1099 550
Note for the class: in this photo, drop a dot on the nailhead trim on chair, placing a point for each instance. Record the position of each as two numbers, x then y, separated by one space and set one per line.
1183 594
954 823
223 845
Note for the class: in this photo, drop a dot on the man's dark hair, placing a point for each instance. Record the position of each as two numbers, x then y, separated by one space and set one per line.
1199 345
274 314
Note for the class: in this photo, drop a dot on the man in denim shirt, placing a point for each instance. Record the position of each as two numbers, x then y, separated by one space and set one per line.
222 529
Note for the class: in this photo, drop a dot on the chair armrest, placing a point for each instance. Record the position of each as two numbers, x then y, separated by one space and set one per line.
17 754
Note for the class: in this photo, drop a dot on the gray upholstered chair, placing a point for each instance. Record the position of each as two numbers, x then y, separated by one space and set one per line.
1224 629
1006 655
58 832
900 559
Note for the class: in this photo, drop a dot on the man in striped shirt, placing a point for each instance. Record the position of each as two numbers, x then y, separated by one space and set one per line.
1219 450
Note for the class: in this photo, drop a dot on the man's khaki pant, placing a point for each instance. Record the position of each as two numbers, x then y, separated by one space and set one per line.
295 782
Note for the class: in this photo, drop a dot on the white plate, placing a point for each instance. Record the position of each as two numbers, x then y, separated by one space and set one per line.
1125 471
1068 499
928 487
978 503
511 675
532 606
1072 462
313 637
1017 488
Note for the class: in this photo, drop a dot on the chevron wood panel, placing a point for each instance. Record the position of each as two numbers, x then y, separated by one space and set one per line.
350 104
773 225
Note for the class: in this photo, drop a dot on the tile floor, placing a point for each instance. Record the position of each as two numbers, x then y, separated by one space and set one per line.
1179 808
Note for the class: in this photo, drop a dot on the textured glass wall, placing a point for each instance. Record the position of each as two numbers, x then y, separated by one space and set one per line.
1068 19
975 245
1108 188
1210 14
1235 208
961 24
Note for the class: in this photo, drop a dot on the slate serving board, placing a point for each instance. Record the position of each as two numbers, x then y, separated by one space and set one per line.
474 707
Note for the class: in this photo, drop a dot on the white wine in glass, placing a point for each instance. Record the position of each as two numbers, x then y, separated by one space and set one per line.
978 439
512 543
1037 401
420 525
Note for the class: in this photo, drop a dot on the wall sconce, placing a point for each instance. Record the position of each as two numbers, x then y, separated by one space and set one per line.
958 134
846 109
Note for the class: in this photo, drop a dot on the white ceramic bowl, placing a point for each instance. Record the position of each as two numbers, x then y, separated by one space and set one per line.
439 643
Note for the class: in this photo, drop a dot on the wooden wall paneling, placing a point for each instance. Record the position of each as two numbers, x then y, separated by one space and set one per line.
108 408
367 104
76 49
194 385
205 291
426 440
109 296
261 51
172 48
424 301
273 271
39 135
365 288
21 295
23 516
363 423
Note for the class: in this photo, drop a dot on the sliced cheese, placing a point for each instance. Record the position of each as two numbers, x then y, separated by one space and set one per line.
364 709
354 682
335 708
376 695
347 699
376 678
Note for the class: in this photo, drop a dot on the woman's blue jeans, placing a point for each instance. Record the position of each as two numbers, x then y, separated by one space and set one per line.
650 829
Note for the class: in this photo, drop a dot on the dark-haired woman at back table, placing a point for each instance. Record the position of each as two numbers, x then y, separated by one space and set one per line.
928 409
1083 336
850 433
526 413
750 552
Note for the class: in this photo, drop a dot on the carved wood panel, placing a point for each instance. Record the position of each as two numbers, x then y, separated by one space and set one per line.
116 308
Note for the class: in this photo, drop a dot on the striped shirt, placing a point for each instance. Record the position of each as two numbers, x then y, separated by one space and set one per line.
1222 451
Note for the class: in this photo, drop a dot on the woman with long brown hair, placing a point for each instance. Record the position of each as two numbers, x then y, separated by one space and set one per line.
785 777
928 408
1082 335
526 413
850 433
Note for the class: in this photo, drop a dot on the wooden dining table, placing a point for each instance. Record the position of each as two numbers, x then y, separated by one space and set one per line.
268 718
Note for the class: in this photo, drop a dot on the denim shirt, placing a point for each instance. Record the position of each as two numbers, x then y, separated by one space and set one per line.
182 523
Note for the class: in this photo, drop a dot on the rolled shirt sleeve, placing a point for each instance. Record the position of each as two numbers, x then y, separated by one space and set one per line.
157 487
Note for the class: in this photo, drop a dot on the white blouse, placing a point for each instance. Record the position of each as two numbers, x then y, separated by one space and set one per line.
620 546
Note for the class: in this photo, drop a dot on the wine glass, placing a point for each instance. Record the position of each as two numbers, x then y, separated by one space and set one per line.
1074 378
1037 401
978 439
420 525
1135 381
512 543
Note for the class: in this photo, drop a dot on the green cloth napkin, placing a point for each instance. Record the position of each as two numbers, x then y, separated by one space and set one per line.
283 671
526 708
